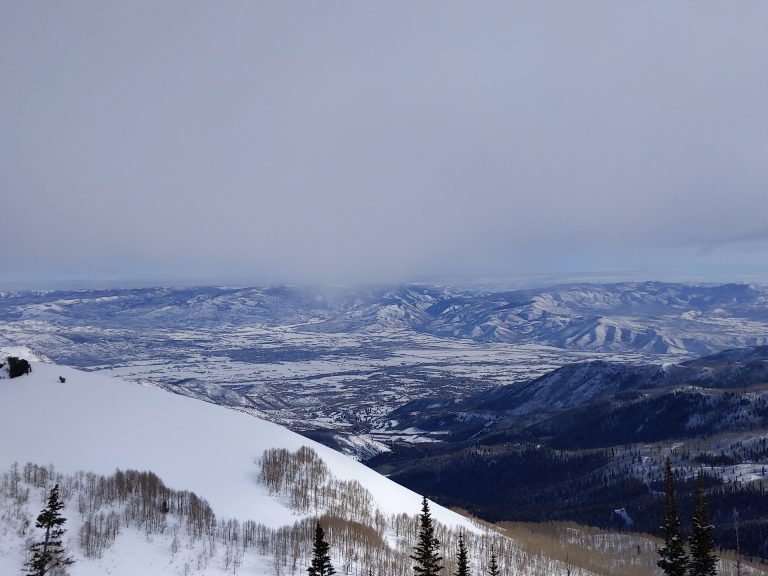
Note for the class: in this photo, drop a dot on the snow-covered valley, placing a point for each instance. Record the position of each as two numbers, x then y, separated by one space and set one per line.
340 360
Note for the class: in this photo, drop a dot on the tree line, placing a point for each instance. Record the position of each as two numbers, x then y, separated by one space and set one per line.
101 508
398 544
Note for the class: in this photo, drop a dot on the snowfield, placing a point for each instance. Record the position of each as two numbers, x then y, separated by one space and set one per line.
95 423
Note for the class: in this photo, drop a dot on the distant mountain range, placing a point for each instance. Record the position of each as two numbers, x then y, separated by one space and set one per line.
651 317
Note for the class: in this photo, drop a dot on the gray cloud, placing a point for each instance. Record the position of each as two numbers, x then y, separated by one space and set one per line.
352 141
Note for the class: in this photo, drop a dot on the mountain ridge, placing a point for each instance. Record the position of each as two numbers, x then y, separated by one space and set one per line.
590 438
652 317
580 384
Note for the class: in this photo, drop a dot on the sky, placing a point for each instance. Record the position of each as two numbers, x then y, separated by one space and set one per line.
343 141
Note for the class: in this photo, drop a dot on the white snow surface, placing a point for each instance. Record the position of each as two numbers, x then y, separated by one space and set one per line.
97 424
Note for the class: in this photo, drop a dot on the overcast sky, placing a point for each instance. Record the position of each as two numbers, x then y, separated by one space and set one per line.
356 141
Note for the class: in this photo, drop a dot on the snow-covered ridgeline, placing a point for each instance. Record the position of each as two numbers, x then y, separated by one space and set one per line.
97 424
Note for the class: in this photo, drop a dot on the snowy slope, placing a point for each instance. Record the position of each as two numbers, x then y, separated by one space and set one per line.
95 423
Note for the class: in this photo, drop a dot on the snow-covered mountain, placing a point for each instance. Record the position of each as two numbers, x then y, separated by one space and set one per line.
590 438
96 423
651 317
93 423
584 385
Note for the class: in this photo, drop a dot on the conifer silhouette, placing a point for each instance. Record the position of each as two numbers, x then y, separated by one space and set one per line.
48 555
674 558
426 551
321 560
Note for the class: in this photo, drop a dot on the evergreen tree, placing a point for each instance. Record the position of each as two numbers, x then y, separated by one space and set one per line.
462 563
426 551
703 557
674 559
321 560
48 555
493 566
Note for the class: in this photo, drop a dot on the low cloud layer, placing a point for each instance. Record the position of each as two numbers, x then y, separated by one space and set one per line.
352 141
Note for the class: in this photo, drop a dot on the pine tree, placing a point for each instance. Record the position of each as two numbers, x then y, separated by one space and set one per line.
48 555
321 560
674 559
493 566
462 563
703 558
426 551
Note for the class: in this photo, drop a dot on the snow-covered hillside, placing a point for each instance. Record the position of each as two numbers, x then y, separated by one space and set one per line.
97 424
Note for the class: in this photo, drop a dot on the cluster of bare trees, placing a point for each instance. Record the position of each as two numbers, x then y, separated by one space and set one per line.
307 484
98 532
108 503
363 541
